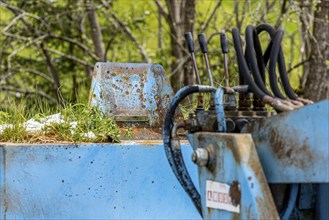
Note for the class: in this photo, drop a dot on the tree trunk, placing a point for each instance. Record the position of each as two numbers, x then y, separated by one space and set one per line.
306 18
96 33
182 15
317 80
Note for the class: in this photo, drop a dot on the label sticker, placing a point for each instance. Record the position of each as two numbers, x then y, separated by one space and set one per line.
219 196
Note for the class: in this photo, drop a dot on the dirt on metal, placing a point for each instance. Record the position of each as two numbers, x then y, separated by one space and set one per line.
291 152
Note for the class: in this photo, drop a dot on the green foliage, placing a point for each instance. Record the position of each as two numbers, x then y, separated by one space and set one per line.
14 117
128 134
78 123
63 29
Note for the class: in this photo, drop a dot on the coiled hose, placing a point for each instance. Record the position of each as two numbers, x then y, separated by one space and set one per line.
254 62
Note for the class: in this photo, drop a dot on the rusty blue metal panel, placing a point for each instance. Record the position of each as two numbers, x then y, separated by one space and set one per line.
294 147
130 180
2 184
134 90
234 161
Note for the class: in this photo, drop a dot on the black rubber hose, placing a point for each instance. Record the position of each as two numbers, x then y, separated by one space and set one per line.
259 56
241 79
250 53
243 67
272 65
174 156
281 62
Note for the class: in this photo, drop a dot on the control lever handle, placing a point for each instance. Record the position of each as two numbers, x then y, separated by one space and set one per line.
223 43
190 47
203 43
204 49
224 46
189 42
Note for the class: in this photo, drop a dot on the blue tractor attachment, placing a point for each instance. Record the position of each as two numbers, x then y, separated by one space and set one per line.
235 159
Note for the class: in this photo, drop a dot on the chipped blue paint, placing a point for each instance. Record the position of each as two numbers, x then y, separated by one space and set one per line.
220 110
131 90
293 147
130 180
290 147
235 160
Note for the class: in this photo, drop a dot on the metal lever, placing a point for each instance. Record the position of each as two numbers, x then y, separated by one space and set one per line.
190 46
204 49
224 46
230 100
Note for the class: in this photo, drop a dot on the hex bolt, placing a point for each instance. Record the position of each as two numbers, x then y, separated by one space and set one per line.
200 157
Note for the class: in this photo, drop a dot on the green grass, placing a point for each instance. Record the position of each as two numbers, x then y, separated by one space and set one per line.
76 122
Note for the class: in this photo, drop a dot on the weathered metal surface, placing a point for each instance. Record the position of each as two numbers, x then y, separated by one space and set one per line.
220 110
131 91
293 147
234 162
137 133
130 180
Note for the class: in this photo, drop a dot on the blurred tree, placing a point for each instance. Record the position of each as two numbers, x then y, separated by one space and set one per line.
316 49
49 47
180 17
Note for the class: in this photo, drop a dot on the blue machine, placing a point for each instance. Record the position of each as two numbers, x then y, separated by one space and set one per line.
252 163
249 163
132 179
127 180
240 161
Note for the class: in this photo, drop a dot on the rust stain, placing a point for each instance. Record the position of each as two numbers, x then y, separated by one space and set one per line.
236 216
139 133
235 193
119 70
259 173
209 212
266 211
289 151
231 143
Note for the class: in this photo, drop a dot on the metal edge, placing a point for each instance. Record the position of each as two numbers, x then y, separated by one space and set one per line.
2 183
122 143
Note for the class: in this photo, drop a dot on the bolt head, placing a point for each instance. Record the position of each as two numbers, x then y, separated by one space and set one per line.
200 157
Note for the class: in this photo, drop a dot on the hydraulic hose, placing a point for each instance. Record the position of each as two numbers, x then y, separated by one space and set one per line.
255 62
173 153
259 78
276 45
281 65
272 64
243 67
244 71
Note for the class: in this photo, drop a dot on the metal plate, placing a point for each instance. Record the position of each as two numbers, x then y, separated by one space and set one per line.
234 161
294 147
131 91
